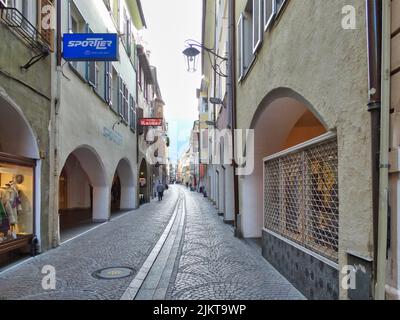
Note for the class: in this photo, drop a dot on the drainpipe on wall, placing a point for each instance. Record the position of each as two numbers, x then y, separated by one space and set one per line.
374 36
384 154
232 106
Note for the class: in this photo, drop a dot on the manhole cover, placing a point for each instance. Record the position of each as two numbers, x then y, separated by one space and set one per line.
113 273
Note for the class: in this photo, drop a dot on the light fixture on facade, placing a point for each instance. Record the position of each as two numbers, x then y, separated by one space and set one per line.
216 101
191 53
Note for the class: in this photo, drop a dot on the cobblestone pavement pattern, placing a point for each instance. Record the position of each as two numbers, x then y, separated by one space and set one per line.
215 265
211 263
125 241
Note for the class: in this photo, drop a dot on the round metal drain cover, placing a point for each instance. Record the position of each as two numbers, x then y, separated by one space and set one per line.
113 273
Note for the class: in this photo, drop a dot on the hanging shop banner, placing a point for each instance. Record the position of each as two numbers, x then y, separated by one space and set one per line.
90 47
151 122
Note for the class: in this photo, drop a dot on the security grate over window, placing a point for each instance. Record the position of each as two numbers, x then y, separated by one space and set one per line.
301 201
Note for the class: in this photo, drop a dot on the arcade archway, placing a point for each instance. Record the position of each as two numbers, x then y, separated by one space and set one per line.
284 119
123 193
83 191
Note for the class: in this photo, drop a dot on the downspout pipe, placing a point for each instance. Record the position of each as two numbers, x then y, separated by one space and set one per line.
232 107
374 43
382 246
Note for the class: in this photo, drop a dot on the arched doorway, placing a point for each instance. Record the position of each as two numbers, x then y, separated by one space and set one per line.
283 120
123 192
83 193
144 183
19 183
291 199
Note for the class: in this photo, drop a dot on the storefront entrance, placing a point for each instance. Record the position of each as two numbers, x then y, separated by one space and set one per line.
18 154
116 195
144 184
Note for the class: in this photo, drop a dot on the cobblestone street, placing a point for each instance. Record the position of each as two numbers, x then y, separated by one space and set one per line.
123 242
215 265
208 263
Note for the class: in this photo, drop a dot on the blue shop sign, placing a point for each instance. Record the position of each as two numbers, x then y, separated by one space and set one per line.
90 46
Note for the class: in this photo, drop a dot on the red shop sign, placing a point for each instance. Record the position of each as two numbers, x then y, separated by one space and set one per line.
151 122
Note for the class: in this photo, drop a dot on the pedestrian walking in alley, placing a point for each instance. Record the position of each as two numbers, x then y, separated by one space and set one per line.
160 190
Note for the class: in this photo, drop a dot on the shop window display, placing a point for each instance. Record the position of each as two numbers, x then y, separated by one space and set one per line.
16 203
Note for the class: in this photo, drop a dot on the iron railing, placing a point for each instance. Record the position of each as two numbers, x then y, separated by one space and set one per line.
301 201
16 21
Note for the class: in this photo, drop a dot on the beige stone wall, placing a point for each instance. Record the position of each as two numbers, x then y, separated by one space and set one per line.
308 51
30 91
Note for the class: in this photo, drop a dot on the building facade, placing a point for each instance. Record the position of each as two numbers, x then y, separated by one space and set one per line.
95 119
298 85
25 104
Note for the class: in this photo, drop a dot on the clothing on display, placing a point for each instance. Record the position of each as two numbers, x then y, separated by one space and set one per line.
10 209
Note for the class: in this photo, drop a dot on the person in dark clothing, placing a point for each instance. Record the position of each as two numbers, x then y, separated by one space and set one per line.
160 190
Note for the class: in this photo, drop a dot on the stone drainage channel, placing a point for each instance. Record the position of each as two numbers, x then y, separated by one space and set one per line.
152 280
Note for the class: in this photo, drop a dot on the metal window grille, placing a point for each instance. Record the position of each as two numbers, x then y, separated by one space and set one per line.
301 201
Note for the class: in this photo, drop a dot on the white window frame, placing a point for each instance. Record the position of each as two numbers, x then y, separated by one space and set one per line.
278 10
257 24
268 20
240 47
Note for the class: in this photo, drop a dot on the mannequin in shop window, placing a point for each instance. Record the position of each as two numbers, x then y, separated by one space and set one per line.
10 207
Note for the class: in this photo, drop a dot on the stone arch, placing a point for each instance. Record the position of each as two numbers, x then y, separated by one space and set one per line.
283 119
88 191
16 135
127 190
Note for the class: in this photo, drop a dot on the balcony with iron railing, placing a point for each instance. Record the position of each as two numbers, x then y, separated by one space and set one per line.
41 41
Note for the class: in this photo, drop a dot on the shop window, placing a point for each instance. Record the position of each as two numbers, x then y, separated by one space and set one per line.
16 206
269 13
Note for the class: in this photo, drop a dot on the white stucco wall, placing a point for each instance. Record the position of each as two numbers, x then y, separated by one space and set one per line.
85 120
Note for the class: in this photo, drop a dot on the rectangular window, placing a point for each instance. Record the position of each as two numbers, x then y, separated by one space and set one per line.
107 4
279 5
240 47
115 13
115 90
76 24
257 24
120 96
108 82
125 103
269 13
132 117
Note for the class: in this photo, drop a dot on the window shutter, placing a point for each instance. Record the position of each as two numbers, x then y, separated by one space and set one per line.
240 47
269 13
139 112
120 96
69 17
279 5
126 102
257 24
129 38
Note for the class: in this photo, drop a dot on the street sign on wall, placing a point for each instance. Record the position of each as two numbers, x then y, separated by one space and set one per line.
90 46
151 122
